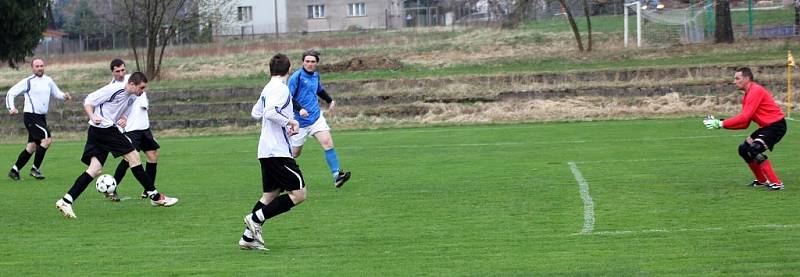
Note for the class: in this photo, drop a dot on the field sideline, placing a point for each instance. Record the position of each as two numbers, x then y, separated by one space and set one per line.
615 198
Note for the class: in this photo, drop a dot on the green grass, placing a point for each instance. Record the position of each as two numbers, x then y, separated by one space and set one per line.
669 199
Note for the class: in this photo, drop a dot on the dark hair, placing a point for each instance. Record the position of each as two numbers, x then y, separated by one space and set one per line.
746 73
279 65
137 78
311 52
116 63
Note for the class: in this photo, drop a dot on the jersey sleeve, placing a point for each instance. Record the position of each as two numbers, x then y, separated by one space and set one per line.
15 91
742 120
258 109
96 98
54 90
275 102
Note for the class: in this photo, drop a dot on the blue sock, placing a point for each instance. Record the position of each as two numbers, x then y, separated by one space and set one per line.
333 161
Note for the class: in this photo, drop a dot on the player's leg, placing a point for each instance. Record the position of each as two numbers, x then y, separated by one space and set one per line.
321 131
38 158
285 174
43 139
297 141
22 159
744 152
93 170
765 140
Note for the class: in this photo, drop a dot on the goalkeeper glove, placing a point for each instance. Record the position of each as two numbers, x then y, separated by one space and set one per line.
712 123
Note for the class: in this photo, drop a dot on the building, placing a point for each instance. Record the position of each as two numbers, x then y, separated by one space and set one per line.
255 17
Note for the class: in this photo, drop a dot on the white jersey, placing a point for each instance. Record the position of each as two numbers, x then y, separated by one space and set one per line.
109 102
37 92
274 109
138 118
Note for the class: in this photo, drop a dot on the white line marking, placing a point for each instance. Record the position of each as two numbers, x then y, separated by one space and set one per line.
765 226
588 205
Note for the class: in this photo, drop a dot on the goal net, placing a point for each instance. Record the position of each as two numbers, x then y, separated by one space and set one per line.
662 25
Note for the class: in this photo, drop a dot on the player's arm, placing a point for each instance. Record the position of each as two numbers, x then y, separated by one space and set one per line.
743 119
57 93
94 99
258 109
15 91
272 108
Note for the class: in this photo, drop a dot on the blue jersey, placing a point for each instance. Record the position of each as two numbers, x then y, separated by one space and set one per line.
304 88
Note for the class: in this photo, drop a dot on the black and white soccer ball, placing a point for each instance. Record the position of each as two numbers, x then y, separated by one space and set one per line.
106 183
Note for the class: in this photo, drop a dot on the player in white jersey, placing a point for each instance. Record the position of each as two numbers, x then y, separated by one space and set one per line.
279 172
137 130
37 89
106 109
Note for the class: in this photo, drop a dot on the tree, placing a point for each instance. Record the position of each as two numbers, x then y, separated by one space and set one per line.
517 14
797 17
23 22
572 24
153 24
84 23
724 29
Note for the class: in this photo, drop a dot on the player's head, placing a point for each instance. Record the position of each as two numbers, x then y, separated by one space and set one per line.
37 67
118 69
279 65
742 78
136 83
310 60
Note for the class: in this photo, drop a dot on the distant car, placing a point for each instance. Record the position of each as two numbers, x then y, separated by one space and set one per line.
478 17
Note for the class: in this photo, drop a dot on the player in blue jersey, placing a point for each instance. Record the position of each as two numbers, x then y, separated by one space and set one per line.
37 89
305 86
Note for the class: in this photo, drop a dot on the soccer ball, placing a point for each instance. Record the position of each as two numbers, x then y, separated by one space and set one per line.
106 183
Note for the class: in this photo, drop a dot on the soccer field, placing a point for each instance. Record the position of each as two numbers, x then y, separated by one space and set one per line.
615 198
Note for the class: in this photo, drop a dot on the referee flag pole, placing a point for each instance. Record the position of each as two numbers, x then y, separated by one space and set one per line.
789 69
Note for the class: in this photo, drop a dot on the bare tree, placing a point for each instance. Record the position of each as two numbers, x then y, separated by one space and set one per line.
587 14
797 17
155 22
572 24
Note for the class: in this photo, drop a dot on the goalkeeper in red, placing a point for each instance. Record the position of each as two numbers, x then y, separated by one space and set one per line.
759 107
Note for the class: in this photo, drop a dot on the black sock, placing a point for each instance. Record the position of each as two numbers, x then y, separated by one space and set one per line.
80 185
23 158
37 160
120 172
151 169
145 180
280 205
258 206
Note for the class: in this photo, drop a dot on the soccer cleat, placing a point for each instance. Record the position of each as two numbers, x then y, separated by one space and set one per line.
756 184
65 208
13 174
111 196
144 195
253 227
164 201
35 173
341 179
252 245
775 186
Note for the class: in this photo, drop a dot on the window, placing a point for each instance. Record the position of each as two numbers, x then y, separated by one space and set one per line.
316 11
244 14
356 9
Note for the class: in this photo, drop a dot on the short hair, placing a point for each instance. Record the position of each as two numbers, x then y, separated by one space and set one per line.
137 78
746 72
34 59
116 63
279 65
311 52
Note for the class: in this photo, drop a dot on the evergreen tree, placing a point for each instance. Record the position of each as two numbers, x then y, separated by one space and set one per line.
22 23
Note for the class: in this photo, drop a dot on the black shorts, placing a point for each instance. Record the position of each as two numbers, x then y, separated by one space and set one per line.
771 134
37 126
280 174
100 141
143 140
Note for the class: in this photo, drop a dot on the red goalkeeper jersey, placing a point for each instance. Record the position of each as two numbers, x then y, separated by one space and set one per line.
758 106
